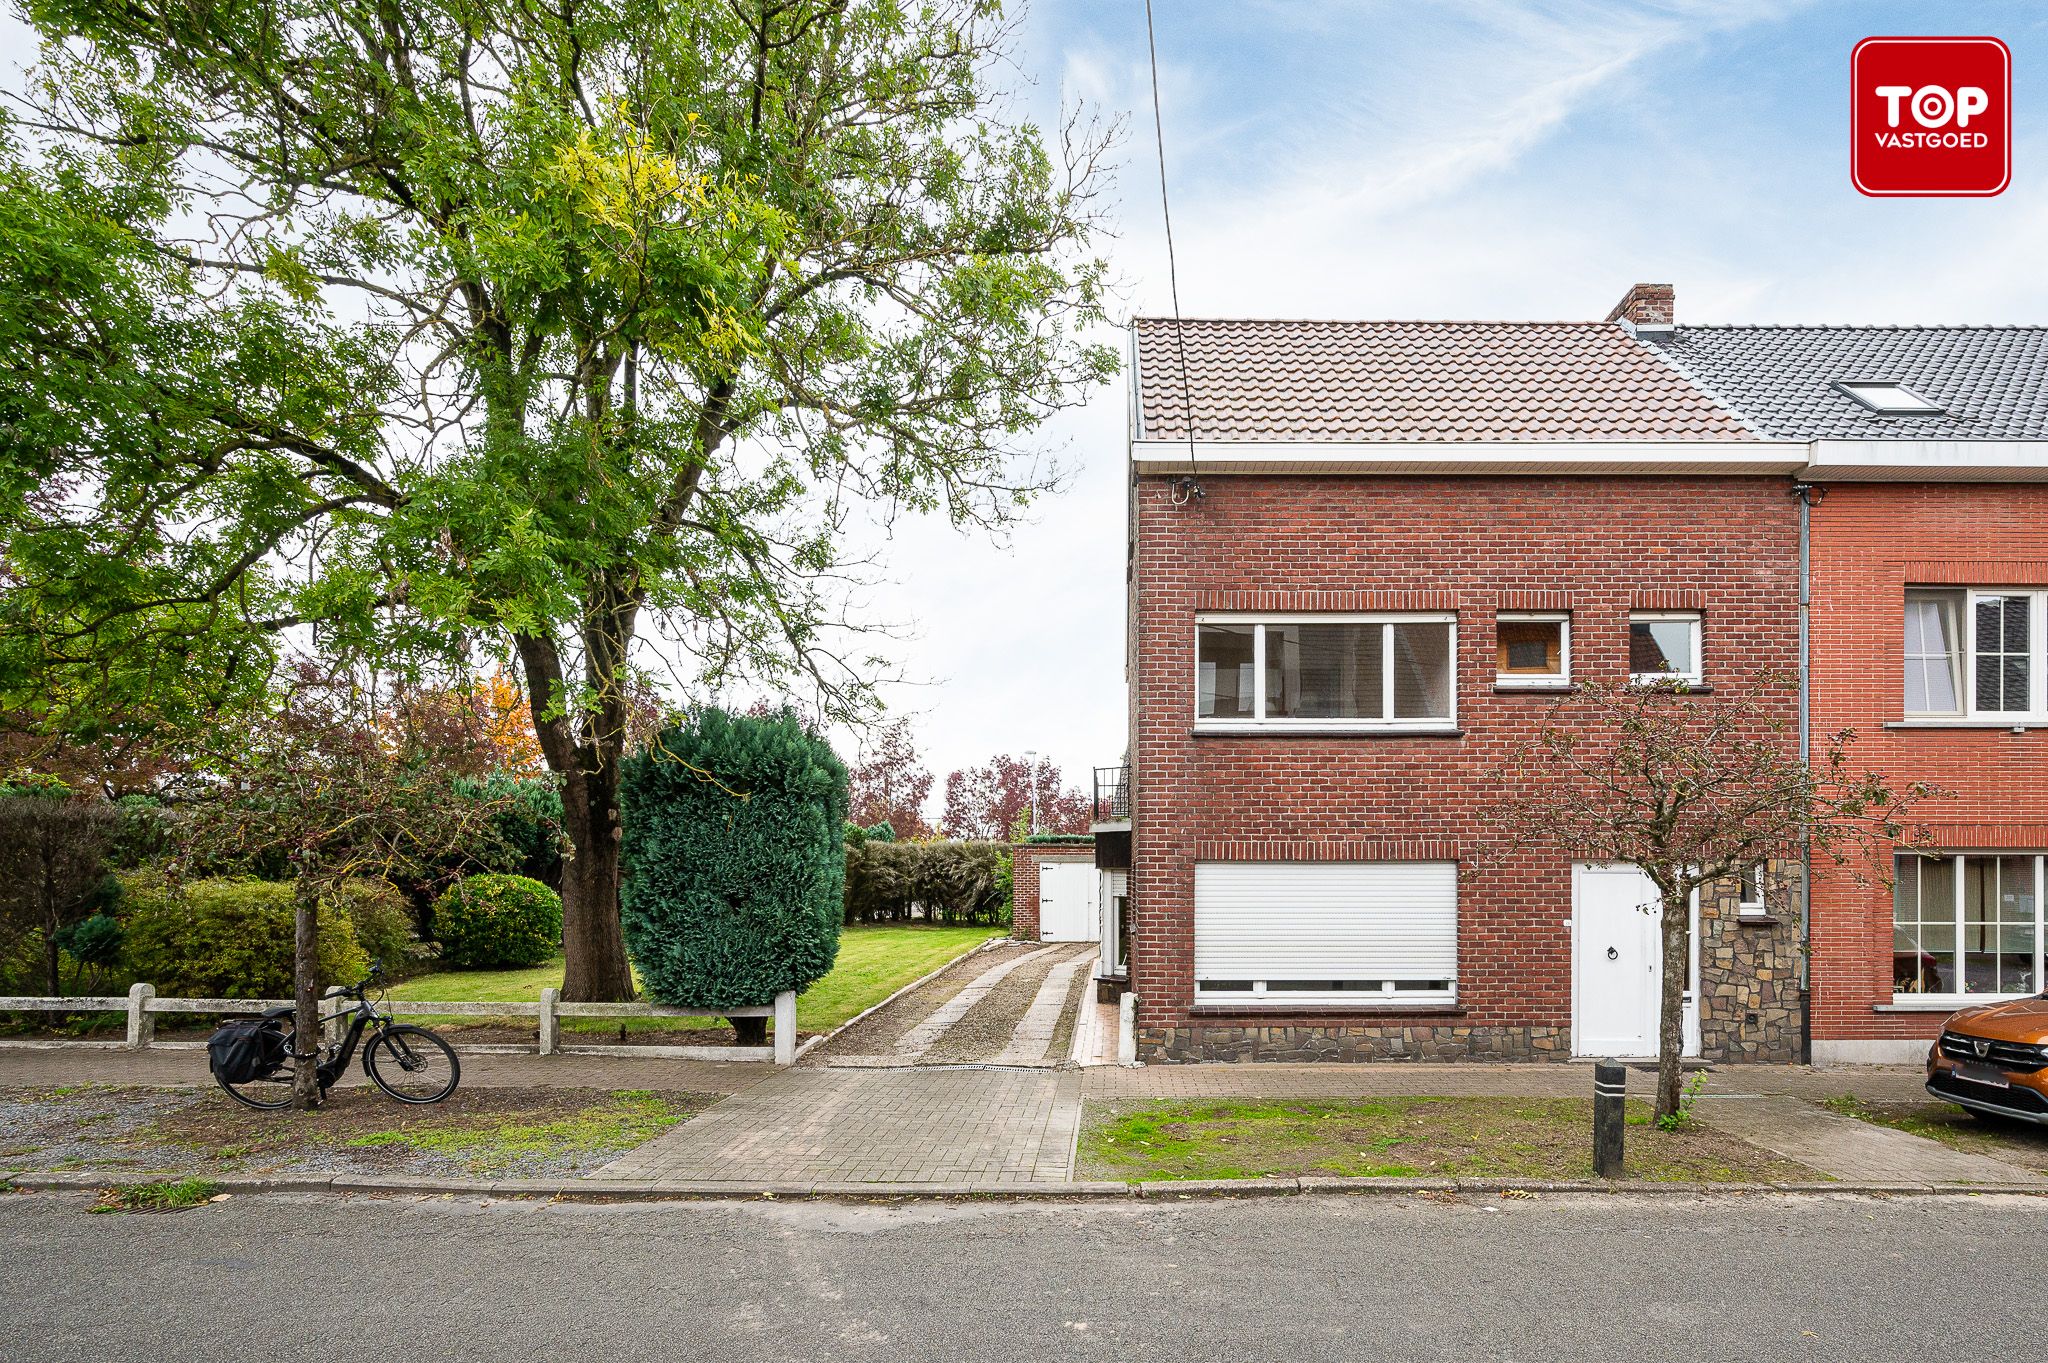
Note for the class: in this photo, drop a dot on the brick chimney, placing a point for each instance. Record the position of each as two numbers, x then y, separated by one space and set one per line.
1646 305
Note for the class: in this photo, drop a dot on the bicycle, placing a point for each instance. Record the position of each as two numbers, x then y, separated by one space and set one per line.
409 1063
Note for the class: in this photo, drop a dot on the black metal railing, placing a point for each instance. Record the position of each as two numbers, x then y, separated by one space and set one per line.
1112 793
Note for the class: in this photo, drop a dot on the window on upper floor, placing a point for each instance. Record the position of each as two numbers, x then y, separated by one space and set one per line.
1326 672
1534 649
1664 646
1976 653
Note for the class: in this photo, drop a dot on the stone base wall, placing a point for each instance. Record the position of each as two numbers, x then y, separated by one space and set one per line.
1353 1042
1753 1009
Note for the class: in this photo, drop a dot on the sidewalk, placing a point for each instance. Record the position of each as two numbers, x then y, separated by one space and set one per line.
913 1126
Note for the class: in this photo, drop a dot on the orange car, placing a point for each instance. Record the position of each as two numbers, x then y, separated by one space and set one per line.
1994 1059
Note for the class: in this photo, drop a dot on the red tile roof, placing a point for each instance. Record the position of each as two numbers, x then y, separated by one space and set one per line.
1416 381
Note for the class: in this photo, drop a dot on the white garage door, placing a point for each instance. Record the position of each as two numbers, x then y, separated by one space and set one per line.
1322 932
1067 909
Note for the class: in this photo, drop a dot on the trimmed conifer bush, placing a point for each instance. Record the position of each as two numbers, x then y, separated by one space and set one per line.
496 922
733 862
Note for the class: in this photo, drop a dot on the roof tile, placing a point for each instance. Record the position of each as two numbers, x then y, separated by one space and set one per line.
1415 381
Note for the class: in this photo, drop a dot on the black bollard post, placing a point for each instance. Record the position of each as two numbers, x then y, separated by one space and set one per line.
1610 1118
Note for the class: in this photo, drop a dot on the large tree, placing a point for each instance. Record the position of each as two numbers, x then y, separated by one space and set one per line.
890 783
1693 789
997 799
532 325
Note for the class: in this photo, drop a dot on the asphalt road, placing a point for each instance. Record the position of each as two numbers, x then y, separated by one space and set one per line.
1302 1278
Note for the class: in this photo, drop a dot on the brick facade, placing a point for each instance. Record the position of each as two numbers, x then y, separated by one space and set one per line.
1869 542
1597 547
1025 859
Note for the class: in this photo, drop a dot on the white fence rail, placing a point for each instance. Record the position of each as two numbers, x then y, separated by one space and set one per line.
143 1007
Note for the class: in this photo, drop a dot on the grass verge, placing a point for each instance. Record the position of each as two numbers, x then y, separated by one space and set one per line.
1996 1137
1546 1138
629 1118
172 1195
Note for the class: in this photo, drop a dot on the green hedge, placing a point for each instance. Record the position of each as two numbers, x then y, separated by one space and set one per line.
942 882
734 870
497 922
228 938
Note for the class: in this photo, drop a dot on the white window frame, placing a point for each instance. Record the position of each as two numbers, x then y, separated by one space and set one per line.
1961 663
1699 645
2037 654
1533 681
1259 724
1752 902
1957 999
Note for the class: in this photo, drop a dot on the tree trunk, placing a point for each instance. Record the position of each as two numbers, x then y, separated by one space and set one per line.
593 946
305 978
1677 944
749 1031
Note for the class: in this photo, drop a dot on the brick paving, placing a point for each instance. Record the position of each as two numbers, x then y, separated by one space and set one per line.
923 1125
1845 1148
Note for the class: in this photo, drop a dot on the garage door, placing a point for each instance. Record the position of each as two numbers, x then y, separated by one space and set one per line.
1066 902
1326 932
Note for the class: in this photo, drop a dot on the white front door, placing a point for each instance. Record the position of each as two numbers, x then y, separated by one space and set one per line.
1617 964
1067 902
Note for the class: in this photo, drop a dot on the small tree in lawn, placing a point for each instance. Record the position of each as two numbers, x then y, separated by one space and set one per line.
1692 789
317 786
735 864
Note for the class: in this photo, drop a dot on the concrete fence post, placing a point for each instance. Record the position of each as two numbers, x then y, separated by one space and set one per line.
550 1022
141 1022
1127 1030
785 1027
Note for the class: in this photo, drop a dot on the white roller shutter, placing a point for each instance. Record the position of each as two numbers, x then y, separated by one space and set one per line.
1314 931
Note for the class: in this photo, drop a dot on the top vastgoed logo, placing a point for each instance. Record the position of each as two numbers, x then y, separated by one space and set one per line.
1930 117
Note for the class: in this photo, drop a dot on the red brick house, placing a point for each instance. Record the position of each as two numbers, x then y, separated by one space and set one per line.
1929 551
1366 558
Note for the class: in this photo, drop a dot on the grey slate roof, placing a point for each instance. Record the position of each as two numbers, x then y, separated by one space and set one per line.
1780 380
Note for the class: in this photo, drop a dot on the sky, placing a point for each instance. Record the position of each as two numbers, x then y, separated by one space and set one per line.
1433 159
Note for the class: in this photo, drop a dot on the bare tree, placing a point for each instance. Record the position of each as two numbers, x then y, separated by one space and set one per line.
1692 788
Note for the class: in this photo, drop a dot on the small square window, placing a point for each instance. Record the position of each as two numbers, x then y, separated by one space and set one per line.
1534 650
1751 904
1890 398
1664 646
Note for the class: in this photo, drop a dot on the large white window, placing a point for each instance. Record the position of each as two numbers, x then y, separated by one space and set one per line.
1966 925
1326 672
1978 653
1358 932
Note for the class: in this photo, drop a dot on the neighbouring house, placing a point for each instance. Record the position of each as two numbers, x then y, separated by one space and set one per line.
1366 558
1929 550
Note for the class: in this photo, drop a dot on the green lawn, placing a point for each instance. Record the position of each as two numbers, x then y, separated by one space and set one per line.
1548 1138
875 960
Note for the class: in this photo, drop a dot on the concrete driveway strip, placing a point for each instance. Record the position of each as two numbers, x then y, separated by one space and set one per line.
1028 1044
1826 1279
920 1038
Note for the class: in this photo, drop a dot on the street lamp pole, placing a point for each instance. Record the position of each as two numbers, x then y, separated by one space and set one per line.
1031 787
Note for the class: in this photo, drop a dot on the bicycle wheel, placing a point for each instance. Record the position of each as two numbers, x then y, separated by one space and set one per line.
412 1064
270 1092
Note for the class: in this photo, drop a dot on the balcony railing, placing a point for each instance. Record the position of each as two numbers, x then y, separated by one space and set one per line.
1112 794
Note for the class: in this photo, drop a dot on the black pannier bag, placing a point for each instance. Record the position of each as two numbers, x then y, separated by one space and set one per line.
246 1050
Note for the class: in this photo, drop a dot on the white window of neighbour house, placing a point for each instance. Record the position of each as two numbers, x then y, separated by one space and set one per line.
1976 653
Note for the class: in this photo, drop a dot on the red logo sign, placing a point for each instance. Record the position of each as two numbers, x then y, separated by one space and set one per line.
1930 116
